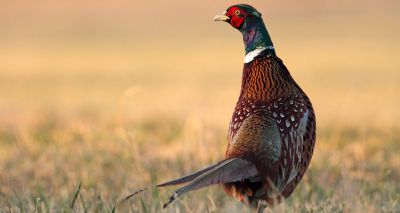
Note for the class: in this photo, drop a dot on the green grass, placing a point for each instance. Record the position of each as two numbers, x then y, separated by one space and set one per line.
91 166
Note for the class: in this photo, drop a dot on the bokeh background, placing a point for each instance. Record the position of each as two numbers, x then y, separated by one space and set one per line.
116 95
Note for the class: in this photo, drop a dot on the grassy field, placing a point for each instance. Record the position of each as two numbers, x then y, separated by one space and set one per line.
96 103
353 170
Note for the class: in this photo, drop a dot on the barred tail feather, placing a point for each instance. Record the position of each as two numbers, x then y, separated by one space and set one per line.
135 193
190 177
230 170
178 181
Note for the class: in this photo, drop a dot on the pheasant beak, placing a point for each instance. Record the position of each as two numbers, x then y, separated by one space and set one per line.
222 17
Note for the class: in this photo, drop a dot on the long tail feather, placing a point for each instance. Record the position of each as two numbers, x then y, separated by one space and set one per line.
230 170
180 180
190 177
135 193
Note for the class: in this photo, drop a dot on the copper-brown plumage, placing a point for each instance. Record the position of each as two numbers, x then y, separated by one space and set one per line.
269 96
272 131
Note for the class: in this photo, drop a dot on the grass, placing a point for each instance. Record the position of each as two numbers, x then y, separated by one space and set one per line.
96 103
90 166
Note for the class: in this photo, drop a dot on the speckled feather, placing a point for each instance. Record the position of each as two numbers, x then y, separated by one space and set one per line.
271 107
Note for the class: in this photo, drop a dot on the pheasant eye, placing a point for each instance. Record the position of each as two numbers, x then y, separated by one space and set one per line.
237 12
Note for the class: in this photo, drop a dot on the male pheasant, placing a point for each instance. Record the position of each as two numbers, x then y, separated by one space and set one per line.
272 131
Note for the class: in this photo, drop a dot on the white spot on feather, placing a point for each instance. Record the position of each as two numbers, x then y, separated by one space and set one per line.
298 140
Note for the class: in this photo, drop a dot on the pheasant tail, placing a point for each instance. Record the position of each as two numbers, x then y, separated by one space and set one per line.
178 181
230 170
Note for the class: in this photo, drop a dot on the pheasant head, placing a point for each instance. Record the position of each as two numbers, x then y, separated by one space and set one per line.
248 21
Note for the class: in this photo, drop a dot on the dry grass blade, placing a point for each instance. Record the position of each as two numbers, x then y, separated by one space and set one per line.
78 189
113 208
144 208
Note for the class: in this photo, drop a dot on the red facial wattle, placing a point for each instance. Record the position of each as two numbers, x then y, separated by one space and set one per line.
236 22
236 16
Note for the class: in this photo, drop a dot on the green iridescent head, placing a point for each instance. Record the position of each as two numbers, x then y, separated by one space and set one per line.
248 21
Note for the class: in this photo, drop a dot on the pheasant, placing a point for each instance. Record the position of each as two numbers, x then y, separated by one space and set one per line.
272 131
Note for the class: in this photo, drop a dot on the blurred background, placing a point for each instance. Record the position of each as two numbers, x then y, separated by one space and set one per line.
114 94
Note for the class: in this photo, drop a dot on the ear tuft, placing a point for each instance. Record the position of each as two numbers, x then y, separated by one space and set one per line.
257 14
